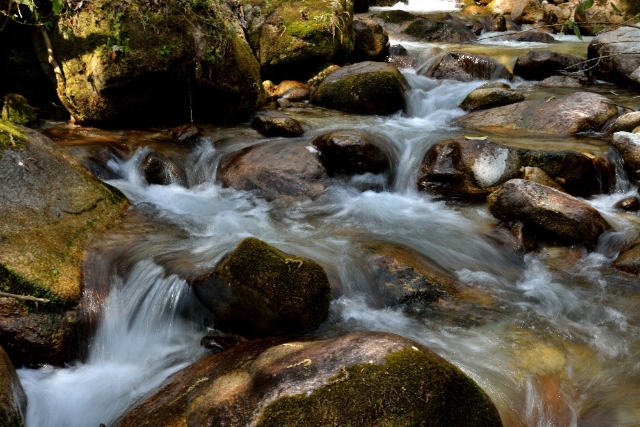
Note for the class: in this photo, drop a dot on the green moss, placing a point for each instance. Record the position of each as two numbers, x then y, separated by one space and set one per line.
11 136
411 389
16 284
396 16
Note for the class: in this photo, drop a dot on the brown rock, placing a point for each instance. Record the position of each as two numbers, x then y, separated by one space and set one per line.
629 258
353 152
540 64
273 126
628 204
482 98
434 30
159 170
562 81
467 67
185 133
626 122
13 400
372 41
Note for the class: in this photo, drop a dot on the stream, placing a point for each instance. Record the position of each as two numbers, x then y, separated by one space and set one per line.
552 337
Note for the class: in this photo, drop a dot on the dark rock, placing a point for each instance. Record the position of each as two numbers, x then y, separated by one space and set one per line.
375 378
13 400
528 36
466 67
628 145
628 204
352 152
396 16
185 134
562 81
615 56
565 115
258 291
221 342
554 214
364 88
159 170
515 235
490 97
360 6
371 42
540 64
272 126
431 30
296 94
498 23
629 258
279 169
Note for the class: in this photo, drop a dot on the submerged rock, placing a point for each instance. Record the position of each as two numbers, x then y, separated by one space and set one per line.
540 64
352 152
185 134
364 88
565 115
257 290
159 170
278 169
16 109
527 11
13 400
527 36
273 126
554 214
368 378
629 258
628 204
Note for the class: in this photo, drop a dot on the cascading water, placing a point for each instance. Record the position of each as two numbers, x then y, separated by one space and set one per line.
554 339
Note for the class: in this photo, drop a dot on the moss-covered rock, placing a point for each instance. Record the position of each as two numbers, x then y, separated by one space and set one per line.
13 400
364 88
360 379
16 109
294 40
258 290
133 63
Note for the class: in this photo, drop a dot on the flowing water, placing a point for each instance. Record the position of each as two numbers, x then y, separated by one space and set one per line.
553 337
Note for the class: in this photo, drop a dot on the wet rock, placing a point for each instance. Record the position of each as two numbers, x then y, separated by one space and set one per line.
352 152
285 87
540 64
185 134
221 342
466 67
626 122
537 175
273 126
371 40
364 88
16 109
399 56
374 377
159 170
13 400
315 81
554 214
284 103
258 291
628 204
629 258
565 115
490 97
617 57
562 81
498 23
432 30
528 36
279 169
527 11
396 16
296 94
51 208
628 145
515 235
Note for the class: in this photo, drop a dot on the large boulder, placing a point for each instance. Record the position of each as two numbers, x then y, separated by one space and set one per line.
540 64
556 215
616 57
626 122
446 30
134 63
364 88
51 207
465 67
160 170
352 152
565 115
291 40
257 290
490 97
476 167
364 378
628 145
13 400
278 169
371 40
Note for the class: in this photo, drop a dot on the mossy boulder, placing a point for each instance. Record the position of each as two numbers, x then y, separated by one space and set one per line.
16 109
13 400
540 64
360 379
294 40
364 88
131 63
51 207
258 290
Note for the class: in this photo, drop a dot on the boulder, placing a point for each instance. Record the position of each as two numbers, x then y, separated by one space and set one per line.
272 125
364 88
51 208
258 291
562 81
475 167
13 400
626 122
503 7
466 67
527 36
371 41
628 146
537 175
278 169
353 152
138 64
564 115
628 204
158 169
482 98
527 11
554 214
540 64
448 30
396 16
16 109
628 259
616 55
292 41
367 378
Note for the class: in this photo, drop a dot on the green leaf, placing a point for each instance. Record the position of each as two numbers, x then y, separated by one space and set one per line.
56 6
615 9
586 4
576 31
